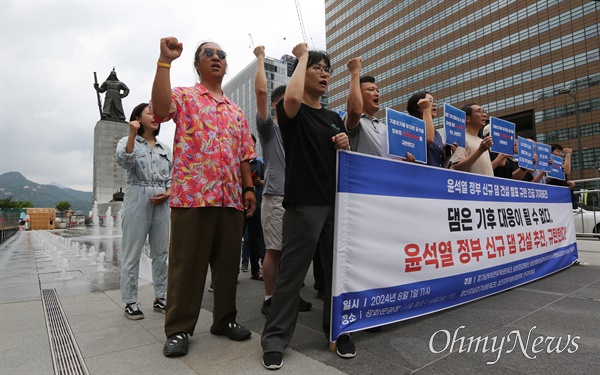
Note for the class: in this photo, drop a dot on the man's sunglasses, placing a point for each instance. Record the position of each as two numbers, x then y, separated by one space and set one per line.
209 52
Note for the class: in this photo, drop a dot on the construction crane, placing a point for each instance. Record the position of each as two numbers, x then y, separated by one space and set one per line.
251 41
301 23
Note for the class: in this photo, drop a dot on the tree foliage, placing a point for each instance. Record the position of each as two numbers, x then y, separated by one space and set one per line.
63 206
9 203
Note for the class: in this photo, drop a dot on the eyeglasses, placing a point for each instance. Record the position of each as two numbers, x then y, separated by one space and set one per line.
321 69
209 52
480 110
432 101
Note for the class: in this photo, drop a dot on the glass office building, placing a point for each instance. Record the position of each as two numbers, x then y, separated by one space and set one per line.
534 63
240 89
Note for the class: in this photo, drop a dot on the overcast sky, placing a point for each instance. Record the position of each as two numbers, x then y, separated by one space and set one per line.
50 49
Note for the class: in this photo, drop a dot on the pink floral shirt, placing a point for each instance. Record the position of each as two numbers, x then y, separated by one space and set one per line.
212 138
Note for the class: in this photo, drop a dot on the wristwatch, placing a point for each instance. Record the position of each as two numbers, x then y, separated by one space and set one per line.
249 188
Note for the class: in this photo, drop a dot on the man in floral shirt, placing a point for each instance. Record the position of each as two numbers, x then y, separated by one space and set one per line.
212 187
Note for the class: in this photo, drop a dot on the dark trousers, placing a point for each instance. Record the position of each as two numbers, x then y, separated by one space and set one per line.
303 228
318 272
199 237
254 241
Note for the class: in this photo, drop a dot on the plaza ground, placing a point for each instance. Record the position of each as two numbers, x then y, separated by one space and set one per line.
563 305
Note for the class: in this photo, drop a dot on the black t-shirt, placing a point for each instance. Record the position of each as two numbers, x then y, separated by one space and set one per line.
504 171
509 167
310 155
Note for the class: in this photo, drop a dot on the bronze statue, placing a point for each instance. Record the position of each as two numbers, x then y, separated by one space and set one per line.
113 108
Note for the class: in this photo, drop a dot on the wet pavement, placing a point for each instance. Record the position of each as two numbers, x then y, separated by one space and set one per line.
564 305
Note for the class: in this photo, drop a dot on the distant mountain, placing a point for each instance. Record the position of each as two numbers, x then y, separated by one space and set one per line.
14 185
59 185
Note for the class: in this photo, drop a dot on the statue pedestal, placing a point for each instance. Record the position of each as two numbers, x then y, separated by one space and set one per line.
108 175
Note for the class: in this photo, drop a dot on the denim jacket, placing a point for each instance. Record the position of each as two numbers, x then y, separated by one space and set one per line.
145 166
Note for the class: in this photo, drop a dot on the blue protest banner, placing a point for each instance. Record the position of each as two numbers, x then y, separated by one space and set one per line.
341 113
467 236
455 125
543 152
556 170
503 136
405 134
526 151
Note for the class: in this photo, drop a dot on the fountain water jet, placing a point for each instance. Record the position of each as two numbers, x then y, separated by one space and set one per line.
119 229
95 220
63 266
101 257
93 257
109 222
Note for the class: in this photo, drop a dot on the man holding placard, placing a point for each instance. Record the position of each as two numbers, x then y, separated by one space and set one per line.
527 161
475 157
543 152
558 152
404 137
362 104
507 168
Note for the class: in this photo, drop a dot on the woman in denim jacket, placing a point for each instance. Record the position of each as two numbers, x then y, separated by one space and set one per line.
145 210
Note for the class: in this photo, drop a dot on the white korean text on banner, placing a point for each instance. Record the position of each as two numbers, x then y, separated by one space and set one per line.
405 133
543 152
526 151
412 240
455 125
503 136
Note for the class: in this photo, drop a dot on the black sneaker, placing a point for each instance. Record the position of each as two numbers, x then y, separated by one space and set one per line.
345 347
304 305
272 360
266 307
233 331
160 305
133 312
176 345
244 267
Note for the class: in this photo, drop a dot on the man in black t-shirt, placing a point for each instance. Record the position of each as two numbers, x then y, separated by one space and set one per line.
509 168
558 150
311 135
